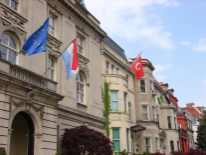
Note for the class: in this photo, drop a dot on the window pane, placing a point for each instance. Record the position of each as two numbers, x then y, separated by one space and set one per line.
51 21
51 30
142 82
116 145
142 89
13 5
114 105
11 43
3 52
147 141
168 119
115 133
12 56
49 73
7 2
113 95
4 39
144 109
145 116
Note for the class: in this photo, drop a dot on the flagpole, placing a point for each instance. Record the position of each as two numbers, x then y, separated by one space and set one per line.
60 55
22 48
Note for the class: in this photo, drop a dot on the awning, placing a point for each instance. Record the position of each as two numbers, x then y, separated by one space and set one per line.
137 128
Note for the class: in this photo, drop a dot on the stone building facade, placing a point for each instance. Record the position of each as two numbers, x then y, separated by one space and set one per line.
116 71
44 105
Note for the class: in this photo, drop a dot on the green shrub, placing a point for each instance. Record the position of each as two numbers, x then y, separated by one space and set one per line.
3 152
146 152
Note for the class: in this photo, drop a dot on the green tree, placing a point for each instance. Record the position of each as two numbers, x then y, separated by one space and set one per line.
201 132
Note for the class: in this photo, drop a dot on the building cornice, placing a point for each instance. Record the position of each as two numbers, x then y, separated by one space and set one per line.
109 54
83 16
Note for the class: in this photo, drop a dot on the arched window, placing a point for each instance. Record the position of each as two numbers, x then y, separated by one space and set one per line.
80 88
8 48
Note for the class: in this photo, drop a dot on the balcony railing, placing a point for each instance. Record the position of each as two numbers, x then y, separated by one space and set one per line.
182 131
26 76
115 72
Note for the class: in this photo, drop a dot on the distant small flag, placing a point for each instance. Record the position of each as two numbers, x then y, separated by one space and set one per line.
70 57
36 42
167 99
160 99
137 68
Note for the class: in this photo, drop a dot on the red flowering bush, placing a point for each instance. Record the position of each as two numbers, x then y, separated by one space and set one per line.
178 153
157 153
195 152
82 140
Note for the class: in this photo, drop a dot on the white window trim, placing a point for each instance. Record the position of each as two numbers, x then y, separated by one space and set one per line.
128 139
84 89
150 149
52 68
145 85
157 142
82 38
145 113
117 139
17 9
114 100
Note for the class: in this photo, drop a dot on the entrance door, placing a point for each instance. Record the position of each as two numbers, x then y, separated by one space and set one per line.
22 137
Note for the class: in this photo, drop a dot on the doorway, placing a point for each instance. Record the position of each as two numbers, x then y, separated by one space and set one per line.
22 137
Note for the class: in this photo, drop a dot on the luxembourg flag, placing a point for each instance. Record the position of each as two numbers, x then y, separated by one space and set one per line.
70 58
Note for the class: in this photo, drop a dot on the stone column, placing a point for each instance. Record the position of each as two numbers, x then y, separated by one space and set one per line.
37 144
8 141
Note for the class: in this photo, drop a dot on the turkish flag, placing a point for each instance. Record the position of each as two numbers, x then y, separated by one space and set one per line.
137 68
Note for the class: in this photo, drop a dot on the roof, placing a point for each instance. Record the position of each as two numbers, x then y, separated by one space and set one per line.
114 46
193 110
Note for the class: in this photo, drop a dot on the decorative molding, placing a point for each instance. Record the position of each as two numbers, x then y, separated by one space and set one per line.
53 46
2 86
81 107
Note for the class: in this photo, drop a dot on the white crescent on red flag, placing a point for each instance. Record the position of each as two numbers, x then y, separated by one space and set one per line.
137 68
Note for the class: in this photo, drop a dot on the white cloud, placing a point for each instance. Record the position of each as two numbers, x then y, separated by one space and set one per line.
130 20
160 78
201 45
186 43
160 68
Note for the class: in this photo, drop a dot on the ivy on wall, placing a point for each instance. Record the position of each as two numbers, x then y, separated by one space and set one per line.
106 101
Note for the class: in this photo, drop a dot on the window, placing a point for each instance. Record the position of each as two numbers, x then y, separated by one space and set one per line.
107 67
128 140
80 44
145 113
132 143
12 3
151 86
127 80
52 25
129 109
169 122
80 88
172 145
116 139
125 102
153 112
117 71
178 146
175 122
179 125
50 72
142 86
112 69
8 48
156 140
147 144
114 100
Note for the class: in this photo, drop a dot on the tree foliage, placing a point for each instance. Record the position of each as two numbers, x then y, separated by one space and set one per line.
191 152
3 152
201 132
82 140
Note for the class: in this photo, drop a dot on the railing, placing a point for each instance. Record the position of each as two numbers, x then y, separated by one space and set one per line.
167 105
115 72
26 75
182 131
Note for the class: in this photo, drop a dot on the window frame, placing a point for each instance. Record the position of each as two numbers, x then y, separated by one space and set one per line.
83 86
107 67
148 146
116 139
17 3
82 39
125 101
114 100
8 48
129 110
175 122
169 122
143 86
127 136
172 146
54 17
157 142
153 112
51 67
145 113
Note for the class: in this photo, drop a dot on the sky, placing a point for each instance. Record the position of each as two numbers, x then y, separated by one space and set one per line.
171 34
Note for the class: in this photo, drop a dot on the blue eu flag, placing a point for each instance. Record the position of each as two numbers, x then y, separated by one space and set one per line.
36 43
